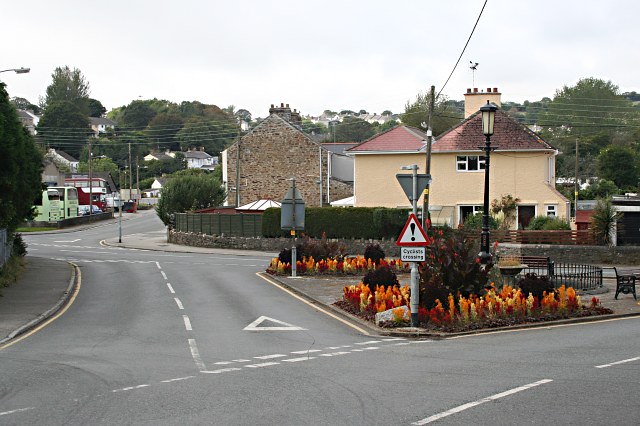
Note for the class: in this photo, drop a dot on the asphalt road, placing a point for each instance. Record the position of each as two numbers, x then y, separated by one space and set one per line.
177 338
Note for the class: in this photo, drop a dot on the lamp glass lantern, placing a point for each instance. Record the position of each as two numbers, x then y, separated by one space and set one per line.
488 118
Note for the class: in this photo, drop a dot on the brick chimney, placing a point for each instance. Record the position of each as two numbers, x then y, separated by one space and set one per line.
285 112
473 100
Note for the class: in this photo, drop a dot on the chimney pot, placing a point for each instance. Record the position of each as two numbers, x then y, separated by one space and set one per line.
271 105
495 90
468 90
281 105
287 105
488 89
475 90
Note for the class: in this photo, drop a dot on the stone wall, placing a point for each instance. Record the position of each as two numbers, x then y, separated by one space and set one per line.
352 247
591 255
272 153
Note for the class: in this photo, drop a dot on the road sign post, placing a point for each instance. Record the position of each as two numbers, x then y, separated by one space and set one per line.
413 234
292 218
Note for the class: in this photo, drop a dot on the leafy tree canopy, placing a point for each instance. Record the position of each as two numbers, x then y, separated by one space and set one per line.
353 129
68 86
620 165
96 109
186 191
24 104
99 165
445 113
20 180
64 126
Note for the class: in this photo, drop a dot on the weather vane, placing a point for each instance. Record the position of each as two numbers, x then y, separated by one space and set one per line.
474 68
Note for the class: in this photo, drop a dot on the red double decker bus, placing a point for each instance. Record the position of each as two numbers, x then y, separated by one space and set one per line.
98 189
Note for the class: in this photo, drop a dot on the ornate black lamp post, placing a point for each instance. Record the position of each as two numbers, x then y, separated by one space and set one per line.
488 118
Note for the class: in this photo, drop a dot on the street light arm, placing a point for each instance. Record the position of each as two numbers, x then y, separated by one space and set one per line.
21 70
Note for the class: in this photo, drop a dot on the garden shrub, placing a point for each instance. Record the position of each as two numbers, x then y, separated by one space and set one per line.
453 263
381 276
536 285
548 223
375 253
473 222
432 291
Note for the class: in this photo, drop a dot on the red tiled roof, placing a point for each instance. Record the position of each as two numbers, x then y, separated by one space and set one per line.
400 138
508 134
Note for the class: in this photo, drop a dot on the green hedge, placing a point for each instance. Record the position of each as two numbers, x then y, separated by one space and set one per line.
353 222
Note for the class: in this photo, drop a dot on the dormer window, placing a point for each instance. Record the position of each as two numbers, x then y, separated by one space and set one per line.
469 163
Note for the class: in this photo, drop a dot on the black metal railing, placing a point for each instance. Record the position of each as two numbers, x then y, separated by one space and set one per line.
580 277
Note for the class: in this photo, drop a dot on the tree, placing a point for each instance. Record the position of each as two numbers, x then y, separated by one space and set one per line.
64 126
24 104
186 191
20 180
99 165
136 115
603 221
212 134
353 129
445 113
162 129
620 165
96 109
69 86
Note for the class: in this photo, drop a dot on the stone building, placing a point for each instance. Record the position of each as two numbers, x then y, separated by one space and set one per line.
273 152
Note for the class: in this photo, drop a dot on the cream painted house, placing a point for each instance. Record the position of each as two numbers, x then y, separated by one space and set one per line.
523 166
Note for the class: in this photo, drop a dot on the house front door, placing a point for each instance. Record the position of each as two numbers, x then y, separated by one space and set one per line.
525 214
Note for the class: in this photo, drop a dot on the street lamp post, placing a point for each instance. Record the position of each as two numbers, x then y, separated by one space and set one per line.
21 70
488 118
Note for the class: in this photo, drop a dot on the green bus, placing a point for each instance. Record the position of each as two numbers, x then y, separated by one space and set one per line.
57 203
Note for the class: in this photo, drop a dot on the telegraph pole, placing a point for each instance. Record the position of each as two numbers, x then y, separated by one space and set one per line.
130 172
426 217
90 181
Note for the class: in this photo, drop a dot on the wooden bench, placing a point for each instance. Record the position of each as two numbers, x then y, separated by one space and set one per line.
626 281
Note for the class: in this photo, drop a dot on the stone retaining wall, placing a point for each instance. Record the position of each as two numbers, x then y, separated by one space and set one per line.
591 255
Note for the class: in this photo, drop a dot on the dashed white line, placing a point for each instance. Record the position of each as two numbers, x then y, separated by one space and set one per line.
368 343
163 275
187 323
223 362
196 355
130 388
158 265
307 351
269 356
222 370
179 303
171 288
624 361
478 402
19 410
264 364
370 348
241 360
335 354
304 358
177 379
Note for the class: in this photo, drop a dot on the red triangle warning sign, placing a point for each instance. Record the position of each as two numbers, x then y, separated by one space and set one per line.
412 234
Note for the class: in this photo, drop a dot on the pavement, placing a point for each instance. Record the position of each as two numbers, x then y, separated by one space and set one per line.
46 285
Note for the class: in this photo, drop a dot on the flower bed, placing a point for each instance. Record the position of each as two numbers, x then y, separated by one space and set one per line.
495 309
336 266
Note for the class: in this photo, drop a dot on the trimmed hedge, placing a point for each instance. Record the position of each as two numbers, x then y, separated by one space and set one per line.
353 222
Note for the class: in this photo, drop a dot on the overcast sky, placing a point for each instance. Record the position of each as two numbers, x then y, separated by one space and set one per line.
372 55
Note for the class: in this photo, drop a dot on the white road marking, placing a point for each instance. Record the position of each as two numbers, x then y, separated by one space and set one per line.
179 303
264 364
368 343
478 402
393 339
177 379
171 288
19 410
69 241
304 358
284 326
158 265
196 355
223 362
130 388
307 351
222 370
187 323
241 360
269 356
370 348
618 362
335 354
163 275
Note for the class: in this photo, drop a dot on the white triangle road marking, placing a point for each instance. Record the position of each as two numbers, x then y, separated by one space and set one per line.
284 326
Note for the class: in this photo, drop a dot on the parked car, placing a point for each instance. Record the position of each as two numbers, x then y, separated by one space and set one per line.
84 210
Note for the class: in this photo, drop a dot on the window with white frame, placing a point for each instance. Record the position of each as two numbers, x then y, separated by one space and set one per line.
469 163
466 211
551 209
